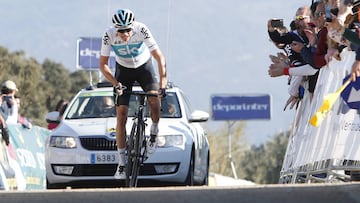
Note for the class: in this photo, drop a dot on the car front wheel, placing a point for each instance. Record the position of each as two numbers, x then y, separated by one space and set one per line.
206 178
190 176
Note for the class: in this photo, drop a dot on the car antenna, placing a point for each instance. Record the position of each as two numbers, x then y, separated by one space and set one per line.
90 87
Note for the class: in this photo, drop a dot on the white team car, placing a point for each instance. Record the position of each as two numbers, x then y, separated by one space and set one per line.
82 151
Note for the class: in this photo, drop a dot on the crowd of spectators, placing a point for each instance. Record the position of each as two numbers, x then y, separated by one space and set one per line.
318 34
10 103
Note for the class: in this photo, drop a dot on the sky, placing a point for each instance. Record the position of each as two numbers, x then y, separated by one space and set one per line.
211 47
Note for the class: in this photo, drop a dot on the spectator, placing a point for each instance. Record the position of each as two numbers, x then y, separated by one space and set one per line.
4 131
25 122
327 48
9 107
339 25
308 52
301 19
60 108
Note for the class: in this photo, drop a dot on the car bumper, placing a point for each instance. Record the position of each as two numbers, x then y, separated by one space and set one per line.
165 165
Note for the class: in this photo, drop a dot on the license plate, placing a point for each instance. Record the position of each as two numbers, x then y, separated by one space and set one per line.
104 158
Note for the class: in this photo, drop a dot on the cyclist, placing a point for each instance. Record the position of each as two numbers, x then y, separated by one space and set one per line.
133 45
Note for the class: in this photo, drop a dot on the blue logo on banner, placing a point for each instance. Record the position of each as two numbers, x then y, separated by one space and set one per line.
351 94
240 107
88 54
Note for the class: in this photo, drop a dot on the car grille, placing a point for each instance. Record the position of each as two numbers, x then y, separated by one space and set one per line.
98 144
109 169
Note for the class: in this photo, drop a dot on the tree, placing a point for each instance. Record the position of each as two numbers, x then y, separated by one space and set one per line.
40 86
219 147
260 164
26 73
80 78
56 77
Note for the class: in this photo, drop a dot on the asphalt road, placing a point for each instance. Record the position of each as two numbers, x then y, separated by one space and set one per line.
329 193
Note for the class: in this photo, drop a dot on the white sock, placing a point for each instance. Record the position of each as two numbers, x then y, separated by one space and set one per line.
121 156
154 129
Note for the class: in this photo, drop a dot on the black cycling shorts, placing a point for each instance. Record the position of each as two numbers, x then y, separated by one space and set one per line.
144 75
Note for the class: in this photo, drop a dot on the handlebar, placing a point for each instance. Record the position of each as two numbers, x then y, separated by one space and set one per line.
142 94
122 87
139 93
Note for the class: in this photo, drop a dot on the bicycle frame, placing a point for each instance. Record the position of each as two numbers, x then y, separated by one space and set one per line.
136 142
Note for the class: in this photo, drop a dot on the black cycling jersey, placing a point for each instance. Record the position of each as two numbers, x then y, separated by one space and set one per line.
286 39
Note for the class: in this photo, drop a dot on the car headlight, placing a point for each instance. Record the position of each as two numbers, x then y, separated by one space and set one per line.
170 140
62 142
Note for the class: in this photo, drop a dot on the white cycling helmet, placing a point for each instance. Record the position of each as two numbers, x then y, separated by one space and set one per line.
123 18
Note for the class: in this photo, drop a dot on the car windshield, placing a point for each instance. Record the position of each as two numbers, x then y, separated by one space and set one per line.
101 105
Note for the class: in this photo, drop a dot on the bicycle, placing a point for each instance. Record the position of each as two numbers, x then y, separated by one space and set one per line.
136 141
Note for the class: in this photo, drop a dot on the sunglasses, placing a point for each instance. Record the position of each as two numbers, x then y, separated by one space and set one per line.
301 17
318 14
124 30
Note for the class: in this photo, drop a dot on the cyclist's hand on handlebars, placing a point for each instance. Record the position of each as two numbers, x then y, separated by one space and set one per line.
118 89
162 92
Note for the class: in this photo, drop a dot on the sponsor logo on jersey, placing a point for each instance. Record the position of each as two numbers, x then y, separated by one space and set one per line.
288 50
106 39
129 51
145 33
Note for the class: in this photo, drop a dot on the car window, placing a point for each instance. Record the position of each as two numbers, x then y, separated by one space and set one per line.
101 105
92 106
170 107
187 105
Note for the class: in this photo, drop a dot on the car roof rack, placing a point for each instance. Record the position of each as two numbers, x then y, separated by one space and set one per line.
103 84
90 87
170 85
108 84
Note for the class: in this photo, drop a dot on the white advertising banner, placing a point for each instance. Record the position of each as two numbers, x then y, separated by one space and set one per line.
337 138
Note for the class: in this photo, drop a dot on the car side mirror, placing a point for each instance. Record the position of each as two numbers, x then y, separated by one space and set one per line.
52 117
199 116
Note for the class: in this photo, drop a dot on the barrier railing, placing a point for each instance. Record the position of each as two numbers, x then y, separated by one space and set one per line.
330 151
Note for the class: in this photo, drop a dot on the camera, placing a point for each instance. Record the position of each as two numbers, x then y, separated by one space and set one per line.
356 24
277 23
7 99
347 2
354 3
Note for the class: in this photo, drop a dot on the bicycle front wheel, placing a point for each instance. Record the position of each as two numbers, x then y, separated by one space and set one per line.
136 164
130 150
